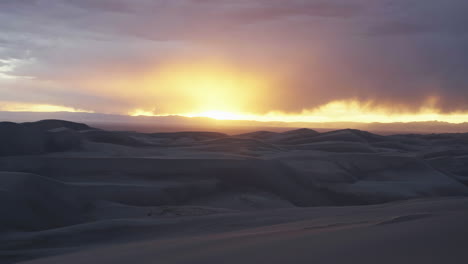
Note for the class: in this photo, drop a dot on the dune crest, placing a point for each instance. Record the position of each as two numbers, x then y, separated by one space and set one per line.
60 179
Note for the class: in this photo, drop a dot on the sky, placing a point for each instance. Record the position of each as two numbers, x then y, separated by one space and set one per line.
266 60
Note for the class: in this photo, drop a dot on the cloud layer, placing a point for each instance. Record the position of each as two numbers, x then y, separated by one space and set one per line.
107 55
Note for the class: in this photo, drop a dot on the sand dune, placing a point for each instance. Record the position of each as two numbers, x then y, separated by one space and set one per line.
96 196
429 231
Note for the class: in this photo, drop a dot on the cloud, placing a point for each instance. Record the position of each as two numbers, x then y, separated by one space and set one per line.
103 5
100 55
399 28
273 10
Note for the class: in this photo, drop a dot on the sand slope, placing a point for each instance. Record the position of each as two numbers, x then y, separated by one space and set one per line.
202 197
425 231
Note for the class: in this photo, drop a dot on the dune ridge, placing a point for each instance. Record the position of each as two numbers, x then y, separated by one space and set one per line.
65 184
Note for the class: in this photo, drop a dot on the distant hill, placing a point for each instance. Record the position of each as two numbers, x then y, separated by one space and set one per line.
53 124
178 123
39 137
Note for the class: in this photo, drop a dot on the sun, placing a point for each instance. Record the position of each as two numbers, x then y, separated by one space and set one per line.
224 92
208 90
219 115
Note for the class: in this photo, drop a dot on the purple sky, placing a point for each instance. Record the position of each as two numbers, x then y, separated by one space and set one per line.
94 54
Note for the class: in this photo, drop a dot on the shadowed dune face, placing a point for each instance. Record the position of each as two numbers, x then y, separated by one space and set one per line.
197 136
19 140
31 202
301 167
40 137
54 124
56 174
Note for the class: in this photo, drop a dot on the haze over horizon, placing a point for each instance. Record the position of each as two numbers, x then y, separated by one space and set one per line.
295 61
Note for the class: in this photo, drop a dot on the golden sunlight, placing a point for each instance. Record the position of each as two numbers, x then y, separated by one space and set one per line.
336 111
223 92
26 107
216 90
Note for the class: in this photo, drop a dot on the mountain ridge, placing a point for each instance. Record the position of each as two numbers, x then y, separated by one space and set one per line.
179 123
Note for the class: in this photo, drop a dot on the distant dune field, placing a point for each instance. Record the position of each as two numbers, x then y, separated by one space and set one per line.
71 193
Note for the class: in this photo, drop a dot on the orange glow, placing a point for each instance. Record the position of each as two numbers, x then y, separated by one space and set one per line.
208 88
224 92
336 111
221 92
26 107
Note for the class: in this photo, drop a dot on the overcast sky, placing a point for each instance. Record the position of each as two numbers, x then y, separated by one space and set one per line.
97 54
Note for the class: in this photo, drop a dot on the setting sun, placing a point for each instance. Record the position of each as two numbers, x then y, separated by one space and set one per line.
214 89
337 111
218 115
